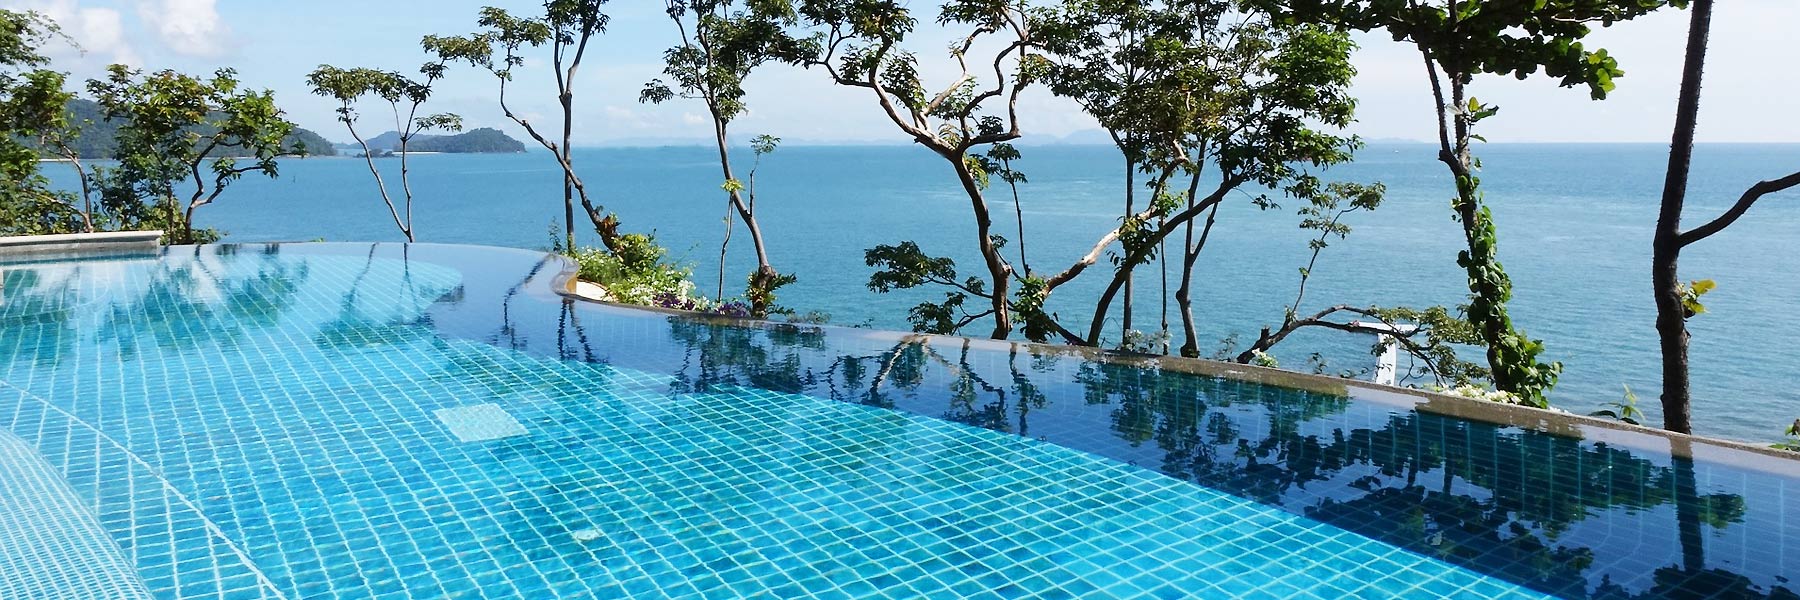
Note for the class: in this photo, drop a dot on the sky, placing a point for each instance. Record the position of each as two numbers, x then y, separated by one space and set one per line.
274 43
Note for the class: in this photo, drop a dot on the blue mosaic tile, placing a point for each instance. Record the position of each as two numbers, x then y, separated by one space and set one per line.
266 424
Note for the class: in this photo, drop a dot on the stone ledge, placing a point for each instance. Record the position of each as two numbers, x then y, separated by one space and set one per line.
80 243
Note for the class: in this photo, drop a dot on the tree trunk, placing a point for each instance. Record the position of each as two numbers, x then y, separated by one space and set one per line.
1095 326
406 186
87 192
567 99
1671 316
1190 345
1018 213
1130 192
998 272
765 276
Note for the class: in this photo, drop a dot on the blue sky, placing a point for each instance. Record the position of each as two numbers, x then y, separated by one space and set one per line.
273 44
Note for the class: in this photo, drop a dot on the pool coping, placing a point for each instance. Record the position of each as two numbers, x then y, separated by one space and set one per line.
80 243
1552 421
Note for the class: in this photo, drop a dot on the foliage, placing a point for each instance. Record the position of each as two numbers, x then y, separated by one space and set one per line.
171 125
1442 333
31 110
1480 393
637 273
1690 296
566 27
721 43
90 135
906 266
861 46
1430 336
1516 38
1512 356
1144 342
1191 86
351 86
1461 40
1624 409
1792 443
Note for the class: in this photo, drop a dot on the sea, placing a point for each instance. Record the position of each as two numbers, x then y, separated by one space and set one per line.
1575 224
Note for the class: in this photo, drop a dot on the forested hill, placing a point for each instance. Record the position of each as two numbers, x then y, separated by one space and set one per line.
483 140
97 139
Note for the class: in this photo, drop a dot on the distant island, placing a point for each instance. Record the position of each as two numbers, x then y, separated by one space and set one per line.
485 140
99 137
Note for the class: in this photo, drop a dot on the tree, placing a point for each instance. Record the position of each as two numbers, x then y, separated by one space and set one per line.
31 108
1253 99
1103 55
174 129
1429 336
1459 39
861 48
1676 302
566 27
348 86
721 43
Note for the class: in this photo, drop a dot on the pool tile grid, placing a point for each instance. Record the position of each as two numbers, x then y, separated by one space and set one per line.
324 463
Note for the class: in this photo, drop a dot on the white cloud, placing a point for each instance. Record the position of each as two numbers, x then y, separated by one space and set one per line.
98 32
619 117
188 27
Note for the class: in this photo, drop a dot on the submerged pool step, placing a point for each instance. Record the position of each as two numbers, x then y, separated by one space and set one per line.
51 544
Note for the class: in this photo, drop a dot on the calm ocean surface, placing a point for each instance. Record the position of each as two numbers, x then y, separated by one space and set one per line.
1575 224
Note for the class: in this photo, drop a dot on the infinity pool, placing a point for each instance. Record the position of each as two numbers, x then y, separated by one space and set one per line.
388 421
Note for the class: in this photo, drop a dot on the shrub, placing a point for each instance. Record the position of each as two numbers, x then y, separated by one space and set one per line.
638 272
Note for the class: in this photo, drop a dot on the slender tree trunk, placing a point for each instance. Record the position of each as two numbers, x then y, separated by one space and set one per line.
187 217
1130 195
1190 345
1671 316
381 186
1018 213
765 276
406 187
1162 268
171 211
87 190
1468 212
724 247
998 271
1512 365
567 99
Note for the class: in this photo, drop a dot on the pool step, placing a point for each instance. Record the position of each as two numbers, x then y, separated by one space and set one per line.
51 544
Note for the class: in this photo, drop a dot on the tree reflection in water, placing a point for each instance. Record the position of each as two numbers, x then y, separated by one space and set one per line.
1499 500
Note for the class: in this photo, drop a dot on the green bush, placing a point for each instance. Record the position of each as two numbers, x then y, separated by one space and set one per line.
637 273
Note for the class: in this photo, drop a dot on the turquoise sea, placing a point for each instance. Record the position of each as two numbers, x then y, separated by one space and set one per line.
1575 224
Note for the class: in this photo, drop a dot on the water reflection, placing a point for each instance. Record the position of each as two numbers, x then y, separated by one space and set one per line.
1572 518
1579 519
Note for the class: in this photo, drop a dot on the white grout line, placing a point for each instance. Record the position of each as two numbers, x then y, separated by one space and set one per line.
211 527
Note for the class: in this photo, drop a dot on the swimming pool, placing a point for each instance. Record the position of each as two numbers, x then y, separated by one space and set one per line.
389 421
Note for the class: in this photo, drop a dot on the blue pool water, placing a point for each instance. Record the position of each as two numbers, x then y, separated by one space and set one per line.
387 421
1575 224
